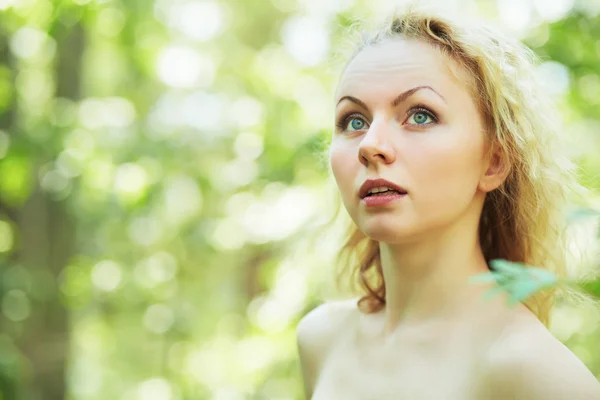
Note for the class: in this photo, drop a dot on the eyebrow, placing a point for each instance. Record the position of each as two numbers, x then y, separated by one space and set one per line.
399 99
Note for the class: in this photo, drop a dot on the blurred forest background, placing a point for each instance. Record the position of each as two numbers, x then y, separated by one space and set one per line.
160 177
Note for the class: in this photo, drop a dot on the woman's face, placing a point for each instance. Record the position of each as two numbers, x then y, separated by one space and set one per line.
402 116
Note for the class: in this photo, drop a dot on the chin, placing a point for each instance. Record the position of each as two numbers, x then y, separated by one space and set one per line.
392 232
391 237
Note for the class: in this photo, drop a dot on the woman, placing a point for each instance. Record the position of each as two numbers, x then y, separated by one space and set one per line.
445 158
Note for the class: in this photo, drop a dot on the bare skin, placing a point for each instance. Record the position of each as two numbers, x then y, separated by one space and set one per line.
482 354
402 116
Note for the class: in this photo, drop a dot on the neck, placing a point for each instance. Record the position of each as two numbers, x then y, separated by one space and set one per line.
427 281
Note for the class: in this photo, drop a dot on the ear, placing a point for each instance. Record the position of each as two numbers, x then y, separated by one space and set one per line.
496 170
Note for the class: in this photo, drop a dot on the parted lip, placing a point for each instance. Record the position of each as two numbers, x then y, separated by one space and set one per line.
372 183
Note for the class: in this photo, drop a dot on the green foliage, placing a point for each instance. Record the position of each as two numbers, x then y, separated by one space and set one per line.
592 288
15 177
160 163
518 280
521 281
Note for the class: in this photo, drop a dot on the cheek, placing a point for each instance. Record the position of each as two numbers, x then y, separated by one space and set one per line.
343 164
448 172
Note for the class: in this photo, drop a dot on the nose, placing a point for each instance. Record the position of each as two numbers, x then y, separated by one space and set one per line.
375 147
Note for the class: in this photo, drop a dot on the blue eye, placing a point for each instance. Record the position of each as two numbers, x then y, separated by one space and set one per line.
352 122
356 124
421 118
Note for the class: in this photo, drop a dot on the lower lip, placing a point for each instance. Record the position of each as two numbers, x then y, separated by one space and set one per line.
381 200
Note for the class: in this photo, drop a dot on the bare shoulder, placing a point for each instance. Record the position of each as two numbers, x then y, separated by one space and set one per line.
319 326
528 362
315 334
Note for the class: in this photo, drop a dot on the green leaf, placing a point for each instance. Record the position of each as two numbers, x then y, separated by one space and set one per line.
522 290
16 182
592 287
582 213
507 268
518 280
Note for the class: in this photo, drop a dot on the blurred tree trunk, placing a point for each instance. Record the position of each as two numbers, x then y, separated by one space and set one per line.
8 382
46 246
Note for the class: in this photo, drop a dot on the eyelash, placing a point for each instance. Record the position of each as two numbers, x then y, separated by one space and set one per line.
344 119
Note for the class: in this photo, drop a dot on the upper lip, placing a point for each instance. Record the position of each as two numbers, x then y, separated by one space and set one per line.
373 183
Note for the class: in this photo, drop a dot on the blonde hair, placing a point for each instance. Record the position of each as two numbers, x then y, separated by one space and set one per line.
522 221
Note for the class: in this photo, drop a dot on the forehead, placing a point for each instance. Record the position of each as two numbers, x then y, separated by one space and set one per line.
400 64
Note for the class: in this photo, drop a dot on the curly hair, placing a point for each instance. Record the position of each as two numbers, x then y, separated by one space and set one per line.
524 219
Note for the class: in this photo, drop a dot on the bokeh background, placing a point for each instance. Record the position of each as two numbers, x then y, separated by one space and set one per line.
160 180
